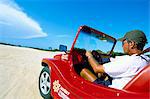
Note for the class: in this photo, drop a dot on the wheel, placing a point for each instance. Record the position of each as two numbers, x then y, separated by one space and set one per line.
45 83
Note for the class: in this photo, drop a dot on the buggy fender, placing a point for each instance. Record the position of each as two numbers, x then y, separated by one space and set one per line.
46 62
53 62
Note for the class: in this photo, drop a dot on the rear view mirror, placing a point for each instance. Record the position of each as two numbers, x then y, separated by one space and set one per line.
63 48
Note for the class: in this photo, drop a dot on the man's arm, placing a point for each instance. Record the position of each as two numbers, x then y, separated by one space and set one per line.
94 64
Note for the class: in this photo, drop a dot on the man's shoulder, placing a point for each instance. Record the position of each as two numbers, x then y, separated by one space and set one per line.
129 58
123 57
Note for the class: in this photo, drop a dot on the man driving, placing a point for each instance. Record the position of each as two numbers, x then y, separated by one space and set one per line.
121 68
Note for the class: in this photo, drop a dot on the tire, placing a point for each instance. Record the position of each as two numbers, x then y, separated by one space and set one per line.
45 83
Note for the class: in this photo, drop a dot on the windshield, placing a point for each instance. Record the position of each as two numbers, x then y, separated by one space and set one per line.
89 40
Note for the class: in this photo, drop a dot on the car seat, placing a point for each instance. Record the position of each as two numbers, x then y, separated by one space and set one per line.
141 82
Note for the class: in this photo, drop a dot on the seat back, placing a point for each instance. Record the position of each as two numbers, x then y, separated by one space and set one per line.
141 82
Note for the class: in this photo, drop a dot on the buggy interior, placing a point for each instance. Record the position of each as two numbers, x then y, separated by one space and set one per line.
80 61
100 44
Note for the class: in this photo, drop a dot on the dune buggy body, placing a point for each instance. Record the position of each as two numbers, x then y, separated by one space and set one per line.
66 82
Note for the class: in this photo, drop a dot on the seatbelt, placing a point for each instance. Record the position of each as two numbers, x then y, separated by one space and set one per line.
144 51
144 59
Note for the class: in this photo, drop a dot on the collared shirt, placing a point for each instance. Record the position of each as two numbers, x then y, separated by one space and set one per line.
123 68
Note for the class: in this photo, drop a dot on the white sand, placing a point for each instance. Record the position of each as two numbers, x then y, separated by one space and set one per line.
19 72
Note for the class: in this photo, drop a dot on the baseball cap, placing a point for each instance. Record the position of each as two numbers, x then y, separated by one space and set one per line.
137 36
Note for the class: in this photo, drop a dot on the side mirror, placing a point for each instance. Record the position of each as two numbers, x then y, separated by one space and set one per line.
63 48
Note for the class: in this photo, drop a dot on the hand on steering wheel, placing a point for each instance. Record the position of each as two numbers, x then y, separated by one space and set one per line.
88 54
95 55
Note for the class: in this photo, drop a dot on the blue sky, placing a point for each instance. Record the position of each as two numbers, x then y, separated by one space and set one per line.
48 23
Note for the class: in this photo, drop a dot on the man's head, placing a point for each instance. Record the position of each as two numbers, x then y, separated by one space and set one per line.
134 40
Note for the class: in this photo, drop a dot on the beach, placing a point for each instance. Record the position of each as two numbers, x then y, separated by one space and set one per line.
19 72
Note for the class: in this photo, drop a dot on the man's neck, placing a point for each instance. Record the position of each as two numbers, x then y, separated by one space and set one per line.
134 51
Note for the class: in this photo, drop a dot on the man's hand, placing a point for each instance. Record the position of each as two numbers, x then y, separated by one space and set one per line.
94 64
88 54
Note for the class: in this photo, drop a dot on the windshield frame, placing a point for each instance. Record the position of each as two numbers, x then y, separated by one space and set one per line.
86 28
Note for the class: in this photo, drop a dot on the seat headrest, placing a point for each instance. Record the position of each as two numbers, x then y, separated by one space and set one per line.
141 82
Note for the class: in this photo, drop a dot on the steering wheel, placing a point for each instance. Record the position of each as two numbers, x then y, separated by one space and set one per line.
80 57
97 56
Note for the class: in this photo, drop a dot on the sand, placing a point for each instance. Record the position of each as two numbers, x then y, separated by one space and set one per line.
19 72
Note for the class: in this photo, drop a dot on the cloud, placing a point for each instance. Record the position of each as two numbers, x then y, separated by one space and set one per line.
4 23
14 23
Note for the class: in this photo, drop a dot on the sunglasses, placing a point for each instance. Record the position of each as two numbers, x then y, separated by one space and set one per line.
123 41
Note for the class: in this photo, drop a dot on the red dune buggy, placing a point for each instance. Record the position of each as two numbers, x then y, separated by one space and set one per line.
60 77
